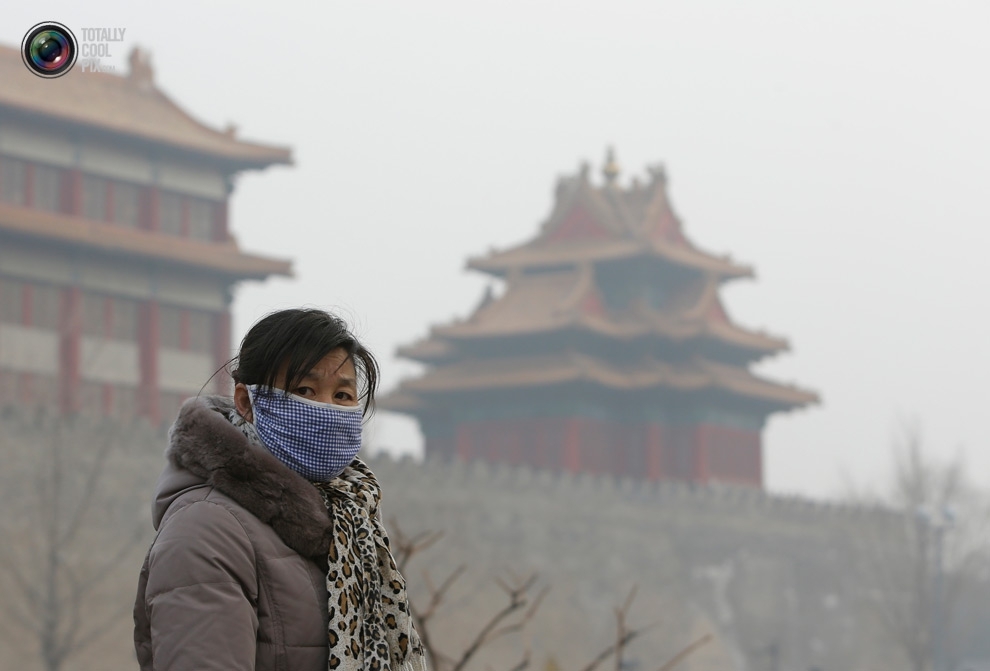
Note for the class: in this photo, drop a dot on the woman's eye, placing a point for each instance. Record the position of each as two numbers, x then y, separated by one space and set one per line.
343 396
304 391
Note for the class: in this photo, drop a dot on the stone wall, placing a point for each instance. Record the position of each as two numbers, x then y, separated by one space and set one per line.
768 576
760 572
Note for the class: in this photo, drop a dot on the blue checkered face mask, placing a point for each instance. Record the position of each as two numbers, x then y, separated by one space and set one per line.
316 440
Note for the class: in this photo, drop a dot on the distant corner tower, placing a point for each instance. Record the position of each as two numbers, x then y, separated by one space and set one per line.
608 352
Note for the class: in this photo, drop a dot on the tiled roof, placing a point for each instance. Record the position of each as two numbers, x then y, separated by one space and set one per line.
609 223
427 350
223 258
571 367
129 106
547 302
533 255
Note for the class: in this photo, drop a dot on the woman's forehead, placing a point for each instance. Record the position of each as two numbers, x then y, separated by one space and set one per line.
338 364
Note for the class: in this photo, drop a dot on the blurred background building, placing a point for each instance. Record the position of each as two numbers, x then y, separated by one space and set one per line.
116 254
609 352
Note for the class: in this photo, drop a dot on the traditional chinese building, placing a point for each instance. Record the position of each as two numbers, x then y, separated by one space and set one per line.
609 351
116 257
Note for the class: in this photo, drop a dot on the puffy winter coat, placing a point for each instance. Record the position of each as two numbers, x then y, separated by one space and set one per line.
236 578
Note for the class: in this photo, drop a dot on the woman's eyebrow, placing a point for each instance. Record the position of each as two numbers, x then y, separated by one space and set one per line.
347 380
341 379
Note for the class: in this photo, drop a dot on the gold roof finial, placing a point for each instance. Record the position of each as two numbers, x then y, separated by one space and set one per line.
611 169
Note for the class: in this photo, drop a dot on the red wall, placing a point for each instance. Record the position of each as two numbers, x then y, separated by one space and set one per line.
695 453
733 455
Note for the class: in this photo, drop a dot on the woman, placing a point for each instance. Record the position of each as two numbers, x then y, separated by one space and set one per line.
271 552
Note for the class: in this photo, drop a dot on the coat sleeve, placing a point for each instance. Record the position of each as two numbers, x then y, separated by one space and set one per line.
201 596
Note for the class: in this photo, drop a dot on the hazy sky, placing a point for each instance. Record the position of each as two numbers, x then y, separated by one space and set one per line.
841 148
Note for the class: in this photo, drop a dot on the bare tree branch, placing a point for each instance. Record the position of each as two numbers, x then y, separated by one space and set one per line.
609 651
29 591
437 594
523 663
620 621
683 654
407 548
517 600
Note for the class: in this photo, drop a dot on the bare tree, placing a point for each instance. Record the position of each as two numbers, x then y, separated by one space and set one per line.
624 636
69 489
522 603
918 559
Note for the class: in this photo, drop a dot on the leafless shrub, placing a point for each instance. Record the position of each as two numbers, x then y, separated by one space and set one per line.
522 604
69 489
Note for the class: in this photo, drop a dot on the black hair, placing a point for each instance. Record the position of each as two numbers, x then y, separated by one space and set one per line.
298 339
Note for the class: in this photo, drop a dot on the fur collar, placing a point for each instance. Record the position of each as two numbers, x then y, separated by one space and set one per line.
204 442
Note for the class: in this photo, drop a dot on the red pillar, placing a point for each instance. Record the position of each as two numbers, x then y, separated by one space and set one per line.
74 204
184 342
464 441
700 465
221 350
152 216
220 221
538 452
620 435
27 304
148 346
572 444
70 343
758 457
654 451
26 382
489 436
29 184
514 443
185 217
108 210
107 389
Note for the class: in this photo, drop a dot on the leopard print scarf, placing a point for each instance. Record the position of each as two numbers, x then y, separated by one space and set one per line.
370 624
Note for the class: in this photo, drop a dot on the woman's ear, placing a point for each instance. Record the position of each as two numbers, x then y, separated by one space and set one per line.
242 401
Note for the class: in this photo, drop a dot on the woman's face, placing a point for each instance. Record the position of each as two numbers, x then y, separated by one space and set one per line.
332 380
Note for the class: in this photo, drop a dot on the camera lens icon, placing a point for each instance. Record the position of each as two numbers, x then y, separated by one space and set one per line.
49 50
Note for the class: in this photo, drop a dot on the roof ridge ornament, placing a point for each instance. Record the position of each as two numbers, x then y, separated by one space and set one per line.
141 74
584 172
658 174
610 171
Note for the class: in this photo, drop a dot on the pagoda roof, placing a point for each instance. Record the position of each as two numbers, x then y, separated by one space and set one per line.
536 254
223 258
570 367
609 223
128 106
568 300
612 262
